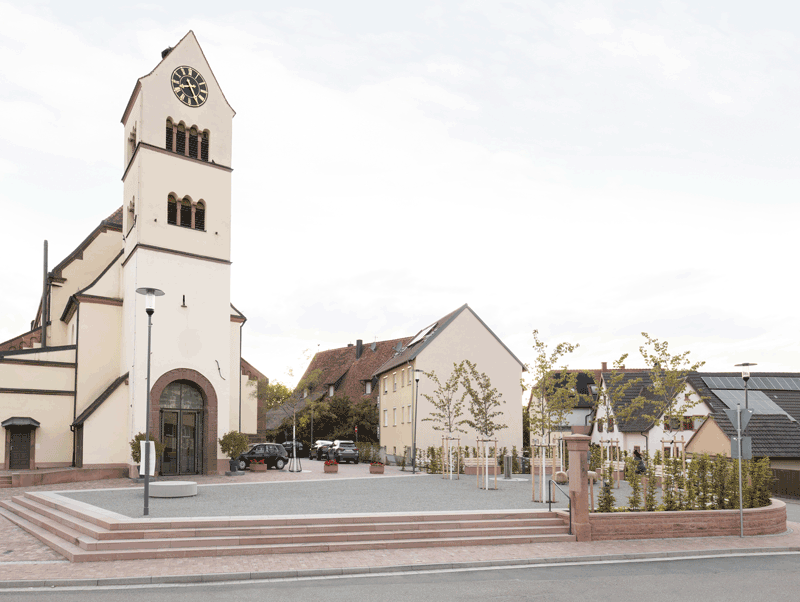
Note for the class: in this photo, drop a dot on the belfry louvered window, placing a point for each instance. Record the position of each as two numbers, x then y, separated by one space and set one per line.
180 146
193 143
186 214
168 142
200 216
172 210
204 148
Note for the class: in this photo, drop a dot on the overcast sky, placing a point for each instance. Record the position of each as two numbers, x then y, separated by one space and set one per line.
590 169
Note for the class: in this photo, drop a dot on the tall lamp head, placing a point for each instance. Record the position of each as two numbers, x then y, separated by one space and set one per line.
150 295
745 370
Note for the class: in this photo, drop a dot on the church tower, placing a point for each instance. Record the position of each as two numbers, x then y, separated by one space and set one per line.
177 238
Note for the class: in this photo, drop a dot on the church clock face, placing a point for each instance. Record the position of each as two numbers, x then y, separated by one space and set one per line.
189 86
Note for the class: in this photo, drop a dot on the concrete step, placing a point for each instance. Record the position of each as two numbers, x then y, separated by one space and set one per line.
82 533
5 482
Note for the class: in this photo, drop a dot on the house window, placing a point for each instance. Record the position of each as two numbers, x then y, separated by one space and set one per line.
402 414
395 417
368 387
386 418
600 426
402 378
385 385
637 448
330 391
394 381
185 213
610 424
409 412
185 218
305 393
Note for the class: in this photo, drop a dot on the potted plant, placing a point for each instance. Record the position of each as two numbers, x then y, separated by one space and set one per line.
136 455
376 468
233 444
331 466
258 466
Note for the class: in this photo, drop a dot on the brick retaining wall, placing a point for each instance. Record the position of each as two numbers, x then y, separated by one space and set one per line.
768 520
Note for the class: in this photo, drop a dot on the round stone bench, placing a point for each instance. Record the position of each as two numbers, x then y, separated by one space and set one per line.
173 489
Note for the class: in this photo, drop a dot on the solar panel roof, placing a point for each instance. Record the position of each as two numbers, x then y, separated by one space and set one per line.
756 401
765 383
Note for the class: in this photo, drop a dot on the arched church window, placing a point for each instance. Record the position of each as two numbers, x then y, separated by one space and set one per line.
180 145
186 213
200 216
168 143
193 143
172 210
204 146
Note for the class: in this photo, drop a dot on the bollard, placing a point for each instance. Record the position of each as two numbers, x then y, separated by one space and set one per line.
507 467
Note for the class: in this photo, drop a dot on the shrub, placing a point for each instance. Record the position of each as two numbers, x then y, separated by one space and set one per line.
233 444
635 498
136 448
606 501
652 485
516 467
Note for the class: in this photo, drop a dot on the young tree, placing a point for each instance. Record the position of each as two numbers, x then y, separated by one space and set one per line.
556 389
484 401
448 405
667 392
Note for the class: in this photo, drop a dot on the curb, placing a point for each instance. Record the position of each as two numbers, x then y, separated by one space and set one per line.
405 568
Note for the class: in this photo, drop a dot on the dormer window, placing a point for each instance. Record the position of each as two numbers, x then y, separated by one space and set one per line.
368 387
330 391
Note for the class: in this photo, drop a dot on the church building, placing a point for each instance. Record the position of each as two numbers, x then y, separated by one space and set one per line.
73 389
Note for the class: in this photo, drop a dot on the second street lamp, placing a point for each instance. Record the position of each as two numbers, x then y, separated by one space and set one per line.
150 295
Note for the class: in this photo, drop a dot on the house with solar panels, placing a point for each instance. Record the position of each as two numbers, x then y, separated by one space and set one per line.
773 427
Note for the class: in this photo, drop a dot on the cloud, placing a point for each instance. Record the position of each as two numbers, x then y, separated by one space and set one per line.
637 44
595 26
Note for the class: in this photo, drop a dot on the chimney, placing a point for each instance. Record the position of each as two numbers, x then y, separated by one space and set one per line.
359 348
605 366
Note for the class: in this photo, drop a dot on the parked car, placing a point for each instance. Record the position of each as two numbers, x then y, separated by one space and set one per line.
273 454
343 451
289 447
320 449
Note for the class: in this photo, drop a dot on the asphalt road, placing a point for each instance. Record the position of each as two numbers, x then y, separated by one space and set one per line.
773 578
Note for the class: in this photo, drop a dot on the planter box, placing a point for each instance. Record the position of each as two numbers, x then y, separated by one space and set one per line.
258 467
375 469
332 468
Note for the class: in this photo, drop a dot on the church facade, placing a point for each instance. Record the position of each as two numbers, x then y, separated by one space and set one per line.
73 389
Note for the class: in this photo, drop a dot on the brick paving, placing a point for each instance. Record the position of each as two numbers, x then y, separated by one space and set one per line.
22 557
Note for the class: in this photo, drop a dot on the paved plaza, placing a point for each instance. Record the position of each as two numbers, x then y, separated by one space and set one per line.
24 561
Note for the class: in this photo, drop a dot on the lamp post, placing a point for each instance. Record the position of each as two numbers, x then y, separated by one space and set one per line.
746 377
414 432
150 295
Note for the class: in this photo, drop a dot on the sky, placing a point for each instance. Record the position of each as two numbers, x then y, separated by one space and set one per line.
589 169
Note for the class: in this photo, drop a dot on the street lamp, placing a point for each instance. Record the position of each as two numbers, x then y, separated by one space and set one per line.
745 376
414 432
150 295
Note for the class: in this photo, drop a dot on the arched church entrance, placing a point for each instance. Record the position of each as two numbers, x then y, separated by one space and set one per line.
183 411
181 416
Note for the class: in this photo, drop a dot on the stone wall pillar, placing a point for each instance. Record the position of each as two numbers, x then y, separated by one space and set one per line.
578 447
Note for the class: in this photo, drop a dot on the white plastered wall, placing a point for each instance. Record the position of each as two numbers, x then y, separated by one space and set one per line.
54 414
103 440
99 352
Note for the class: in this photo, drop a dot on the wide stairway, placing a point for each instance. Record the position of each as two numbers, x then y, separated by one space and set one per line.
84 533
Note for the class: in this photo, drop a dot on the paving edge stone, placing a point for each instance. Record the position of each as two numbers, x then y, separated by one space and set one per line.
403 568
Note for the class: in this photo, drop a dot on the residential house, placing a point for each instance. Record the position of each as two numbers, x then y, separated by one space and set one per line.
343 372
643 428
460 335
73 389
774 398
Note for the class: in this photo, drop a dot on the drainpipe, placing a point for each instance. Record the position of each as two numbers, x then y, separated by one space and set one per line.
44 299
